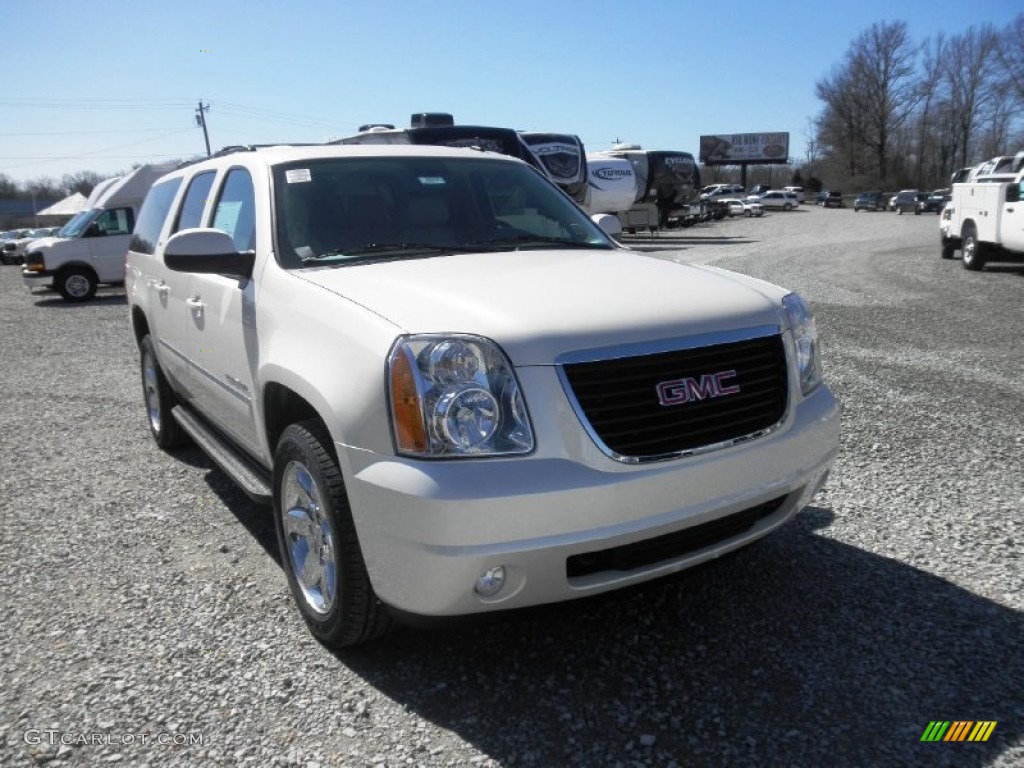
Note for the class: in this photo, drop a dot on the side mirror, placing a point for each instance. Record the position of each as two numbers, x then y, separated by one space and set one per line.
207 251
609 224
1013 193
93 230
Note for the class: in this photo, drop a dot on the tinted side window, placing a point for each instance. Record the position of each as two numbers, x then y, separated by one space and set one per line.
236 209
152 216
191 212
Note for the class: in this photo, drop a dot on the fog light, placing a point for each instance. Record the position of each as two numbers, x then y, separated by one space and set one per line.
490 583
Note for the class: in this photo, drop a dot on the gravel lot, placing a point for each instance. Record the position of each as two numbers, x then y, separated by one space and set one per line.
143 603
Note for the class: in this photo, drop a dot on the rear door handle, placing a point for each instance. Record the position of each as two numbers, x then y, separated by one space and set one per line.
195 303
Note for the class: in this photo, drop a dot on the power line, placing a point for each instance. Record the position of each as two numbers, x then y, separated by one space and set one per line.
91 153
90 103
83 133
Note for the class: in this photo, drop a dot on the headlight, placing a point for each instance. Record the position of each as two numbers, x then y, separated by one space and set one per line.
455 396
805 339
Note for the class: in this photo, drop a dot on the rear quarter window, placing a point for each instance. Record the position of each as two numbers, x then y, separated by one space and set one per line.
152 216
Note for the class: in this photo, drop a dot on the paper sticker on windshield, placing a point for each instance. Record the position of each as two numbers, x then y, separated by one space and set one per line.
297 175
431 179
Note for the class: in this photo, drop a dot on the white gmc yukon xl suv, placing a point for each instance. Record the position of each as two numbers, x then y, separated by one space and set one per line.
455 390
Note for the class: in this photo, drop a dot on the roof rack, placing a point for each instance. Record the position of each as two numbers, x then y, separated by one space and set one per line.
233 148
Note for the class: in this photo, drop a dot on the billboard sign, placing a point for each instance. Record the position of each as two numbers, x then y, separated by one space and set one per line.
752 148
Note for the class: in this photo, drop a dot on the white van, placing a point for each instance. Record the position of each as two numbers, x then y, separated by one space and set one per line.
90 249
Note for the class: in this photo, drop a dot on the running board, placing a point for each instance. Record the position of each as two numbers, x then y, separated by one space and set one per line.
250 477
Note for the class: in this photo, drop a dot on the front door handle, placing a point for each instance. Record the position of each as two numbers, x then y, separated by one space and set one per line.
195 303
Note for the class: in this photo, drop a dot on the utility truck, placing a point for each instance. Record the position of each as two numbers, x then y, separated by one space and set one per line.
984 218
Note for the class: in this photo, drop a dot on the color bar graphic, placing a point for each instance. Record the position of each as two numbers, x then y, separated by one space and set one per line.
958 730
935 730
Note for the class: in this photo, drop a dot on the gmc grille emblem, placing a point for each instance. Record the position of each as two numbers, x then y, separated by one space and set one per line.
688 389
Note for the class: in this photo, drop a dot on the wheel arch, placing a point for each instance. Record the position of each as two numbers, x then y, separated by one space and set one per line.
140 324
76 264
283 406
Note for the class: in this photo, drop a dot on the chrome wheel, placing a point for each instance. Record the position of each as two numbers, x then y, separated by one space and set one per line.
309 538
151 389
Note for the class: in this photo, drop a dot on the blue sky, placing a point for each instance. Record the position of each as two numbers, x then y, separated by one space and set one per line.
102 85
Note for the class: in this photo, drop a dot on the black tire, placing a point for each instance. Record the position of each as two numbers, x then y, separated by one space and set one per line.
948 249
972 249
159 399
340 608
787 207
76 283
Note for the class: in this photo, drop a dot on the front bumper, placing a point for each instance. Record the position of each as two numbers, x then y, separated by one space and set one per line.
428 530
42 279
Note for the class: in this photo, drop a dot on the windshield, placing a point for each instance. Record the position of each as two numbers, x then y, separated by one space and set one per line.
347 210
78 223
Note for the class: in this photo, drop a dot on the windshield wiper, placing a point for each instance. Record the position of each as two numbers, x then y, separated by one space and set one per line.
528 241
389 249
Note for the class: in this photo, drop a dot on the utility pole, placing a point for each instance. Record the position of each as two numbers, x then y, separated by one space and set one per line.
201 122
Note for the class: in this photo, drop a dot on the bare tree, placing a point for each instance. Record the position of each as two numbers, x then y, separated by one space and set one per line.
1009 52
883 67
8 188
80 181
841 125
968 70
870 96
933 158
812 147
43 187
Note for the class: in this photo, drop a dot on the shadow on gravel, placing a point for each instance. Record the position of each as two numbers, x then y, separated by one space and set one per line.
106 300
1012 269
797 651
256 519
678 243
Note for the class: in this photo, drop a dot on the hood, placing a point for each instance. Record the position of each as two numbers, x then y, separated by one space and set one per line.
42 242
541 304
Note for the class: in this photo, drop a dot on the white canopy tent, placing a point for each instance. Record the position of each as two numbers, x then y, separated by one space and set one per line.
69 206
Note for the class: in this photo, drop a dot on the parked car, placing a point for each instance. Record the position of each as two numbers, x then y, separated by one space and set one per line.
721 190
936 201
9 245
413 437
13 250
757 190
798 191
869 201
833 199
737 207
778 198
907 200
